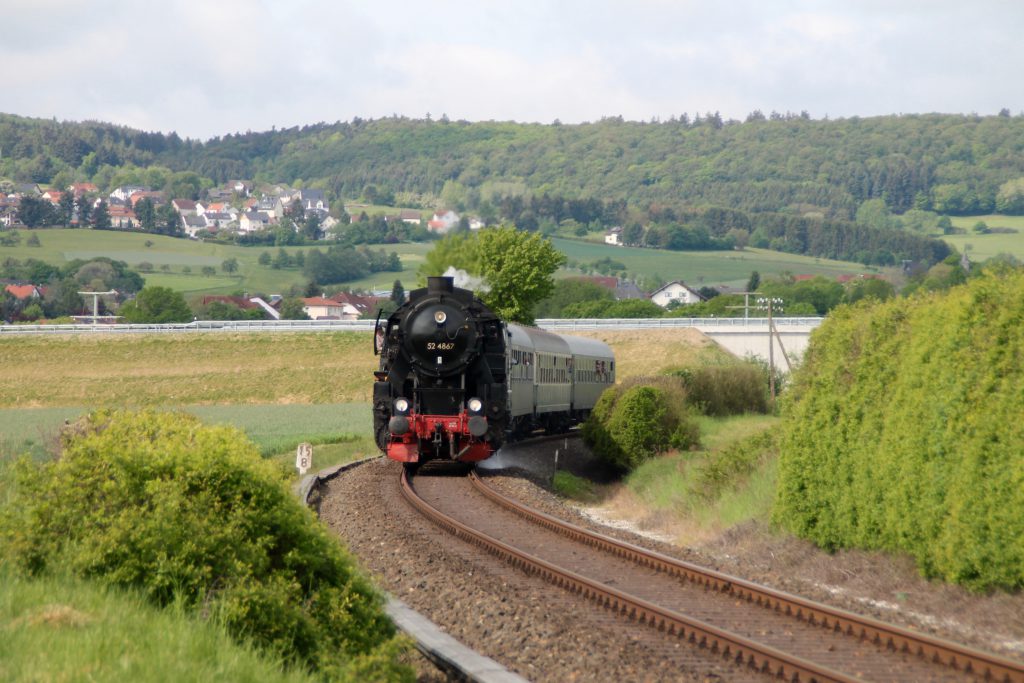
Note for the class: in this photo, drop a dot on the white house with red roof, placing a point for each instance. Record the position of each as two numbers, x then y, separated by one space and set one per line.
23 292
355 306
319 308
78 189
442 221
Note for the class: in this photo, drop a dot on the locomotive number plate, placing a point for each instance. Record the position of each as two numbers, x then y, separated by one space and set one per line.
440 346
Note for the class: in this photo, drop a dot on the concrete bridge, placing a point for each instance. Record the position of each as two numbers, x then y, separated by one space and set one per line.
739 336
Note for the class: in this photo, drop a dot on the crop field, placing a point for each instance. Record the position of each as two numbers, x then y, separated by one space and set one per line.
183 369
698 268
281 389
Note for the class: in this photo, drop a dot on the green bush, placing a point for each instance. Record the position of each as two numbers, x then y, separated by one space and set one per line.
731 389
720 470
903 432
190 514
639 419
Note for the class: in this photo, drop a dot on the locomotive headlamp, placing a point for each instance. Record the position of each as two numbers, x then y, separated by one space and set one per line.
401 405
475 405
440 317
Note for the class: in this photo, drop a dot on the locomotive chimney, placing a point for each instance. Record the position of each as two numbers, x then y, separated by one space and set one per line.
440 284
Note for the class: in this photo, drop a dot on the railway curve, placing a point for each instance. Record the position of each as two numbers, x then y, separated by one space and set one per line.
793 638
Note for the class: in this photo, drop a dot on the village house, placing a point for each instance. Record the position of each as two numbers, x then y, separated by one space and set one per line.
184 207
319 308
53 196
78 189
9 215
313 200
152 195
219 220
122 217
253 221
123 193
443 221
356 306
27 188
193 224
676 292
23 292
272 206
410 216
241 187
614 236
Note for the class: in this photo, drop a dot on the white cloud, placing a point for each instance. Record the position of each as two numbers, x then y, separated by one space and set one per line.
209 69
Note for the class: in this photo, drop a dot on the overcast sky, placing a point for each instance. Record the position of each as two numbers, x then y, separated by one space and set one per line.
211 68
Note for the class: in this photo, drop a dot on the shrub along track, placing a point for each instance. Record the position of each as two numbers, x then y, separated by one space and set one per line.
760 628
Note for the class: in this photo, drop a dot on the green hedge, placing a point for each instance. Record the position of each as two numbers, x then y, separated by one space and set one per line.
191 514
904 432
727 389
634 421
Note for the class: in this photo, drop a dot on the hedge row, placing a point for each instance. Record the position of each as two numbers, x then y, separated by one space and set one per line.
638 419
190 514
903 432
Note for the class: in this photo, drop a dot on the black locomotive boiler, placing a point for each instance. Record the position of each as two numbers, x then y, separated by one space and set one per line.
455 381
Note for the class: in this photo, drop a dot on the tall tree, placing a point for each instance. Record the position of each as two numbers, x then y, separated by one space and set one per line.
516 268
157 305
398 292
101 216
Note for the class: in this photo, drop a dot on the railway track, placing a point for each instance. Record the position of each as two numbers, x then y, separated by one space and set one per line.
756 627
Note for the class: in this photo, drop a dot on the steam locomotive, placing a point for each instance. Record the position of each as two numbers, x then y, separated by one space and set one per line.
455 381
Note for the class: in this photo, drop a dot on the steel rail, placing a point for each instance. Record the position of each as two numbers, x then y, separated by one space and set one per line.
739 649
987 666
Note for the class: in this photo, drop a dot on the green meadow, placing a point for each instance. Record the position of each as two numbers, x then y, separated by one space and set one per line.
177 263
981 247
731 268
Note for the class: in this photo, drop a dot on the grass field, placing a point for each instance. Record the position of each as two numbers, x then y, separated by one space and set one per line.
57 629
171 257
59 246
987 246
699 268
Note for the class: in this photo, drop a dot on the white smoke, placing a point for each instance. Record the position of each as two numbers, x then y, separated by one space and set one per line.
467 281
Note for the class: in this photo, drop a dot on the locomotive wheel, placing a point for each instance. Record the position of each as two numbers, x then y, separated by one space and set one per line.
382 436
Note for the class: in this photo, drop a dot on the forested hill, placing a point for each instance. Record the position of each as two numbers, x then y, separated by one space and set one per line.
950 164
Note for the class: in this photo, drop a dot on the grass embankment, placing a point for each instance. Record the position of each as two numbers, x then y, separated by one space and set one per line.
63 629
692 493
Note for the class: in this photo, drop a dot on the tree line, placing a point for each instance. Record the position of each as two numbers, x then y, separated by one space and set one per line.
952 164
